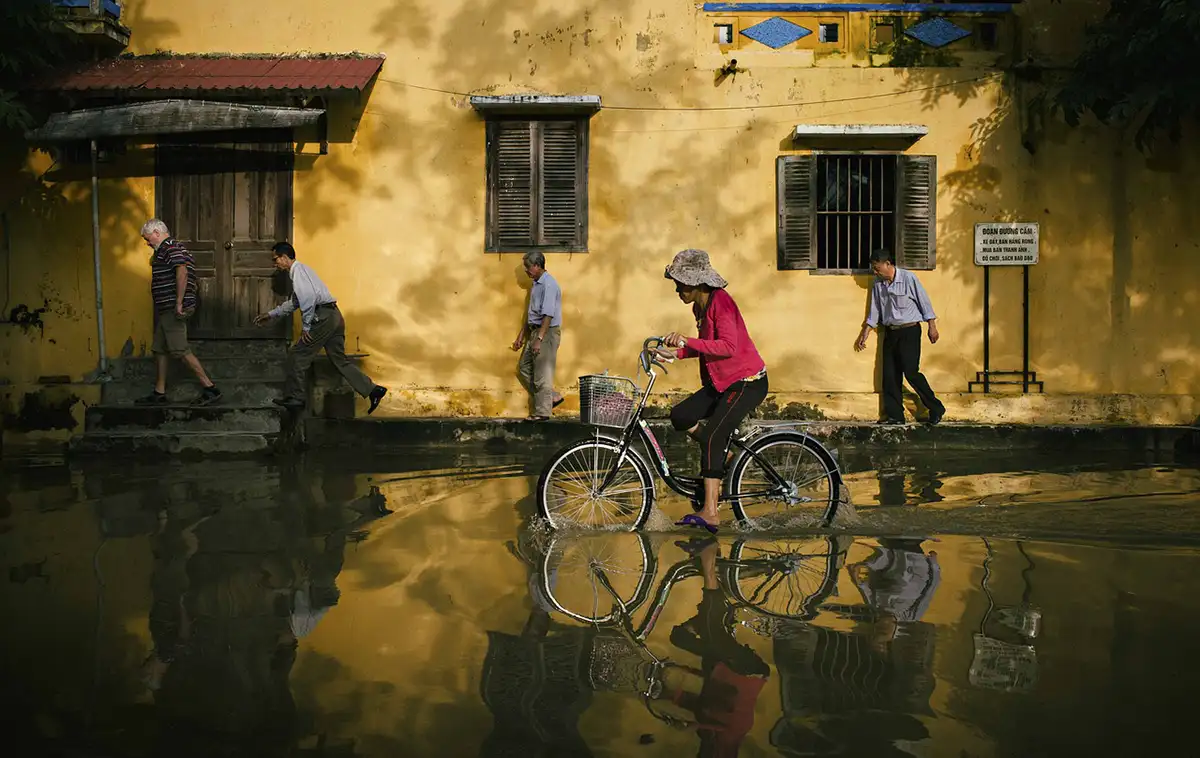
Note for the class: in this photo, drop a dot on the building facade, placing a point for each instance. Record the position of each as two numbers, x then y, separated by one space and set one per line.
412 151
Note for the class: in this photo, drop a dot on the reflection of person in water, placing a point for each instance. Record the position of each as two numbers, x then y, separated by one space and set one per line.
733 674
223 644
859 693
233 592
898 581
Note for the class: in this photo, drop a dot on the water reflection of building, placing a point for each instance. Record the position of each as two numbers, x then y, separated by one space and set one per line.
916 487
234 589
861 690
536 685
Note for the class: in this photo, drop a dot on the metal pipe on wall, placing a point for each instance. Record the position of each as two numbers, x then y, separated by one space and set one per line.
96 260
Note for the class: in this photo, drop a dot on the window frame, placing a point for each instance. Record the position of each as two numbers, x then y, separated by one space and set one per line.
904 163
579 244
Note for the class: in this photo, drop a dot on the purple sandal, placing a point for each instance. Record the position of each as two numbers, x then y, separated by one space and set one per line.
694 519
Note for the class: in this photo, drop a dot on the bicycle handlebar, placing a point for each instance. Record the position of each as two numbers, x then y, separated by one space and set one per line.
650 357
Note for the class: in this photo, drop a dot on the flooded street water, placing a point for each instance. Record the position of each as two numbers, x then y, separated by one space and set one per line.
980 606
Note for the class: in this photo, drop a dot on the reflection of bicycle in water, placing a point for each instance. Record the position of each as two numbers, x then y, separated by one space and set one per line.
604 579
606 481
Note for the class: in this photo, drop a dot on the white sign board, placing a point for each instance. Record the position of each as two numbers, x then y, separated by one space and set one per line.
1006 244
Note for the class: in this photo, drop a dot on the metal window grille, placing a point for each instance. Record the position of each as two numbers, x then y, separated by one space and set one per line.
856 209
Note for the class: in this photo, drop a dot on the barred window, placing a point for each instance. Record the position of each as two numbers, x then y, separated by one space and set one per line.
835 208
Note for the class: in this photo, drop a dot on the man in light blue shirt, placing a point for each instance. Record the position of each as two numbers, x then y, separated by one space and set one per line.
898 306
540 336
322 326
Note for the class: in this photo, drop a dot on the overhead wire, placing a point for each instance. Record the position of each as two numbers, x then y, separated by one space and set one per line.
748 107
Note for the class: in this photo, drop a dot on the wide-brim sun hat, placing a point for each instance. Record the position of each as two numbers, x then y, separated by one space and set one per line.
692 268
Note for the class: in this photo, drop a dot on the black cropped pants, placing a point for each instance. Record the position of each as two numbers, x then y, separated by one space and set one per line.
724 411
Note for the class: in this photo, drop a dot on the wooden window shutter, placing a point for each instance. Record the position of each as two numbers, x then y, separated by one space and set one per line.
795 190
511 206
537 185
916 232
562 191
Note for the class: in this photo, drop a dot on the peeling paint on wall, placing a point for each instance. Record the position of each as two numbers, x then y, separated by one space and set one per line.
27 319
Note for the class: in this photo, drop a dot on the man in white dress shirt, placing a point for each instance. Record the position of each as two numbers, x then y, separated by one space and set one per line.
322 327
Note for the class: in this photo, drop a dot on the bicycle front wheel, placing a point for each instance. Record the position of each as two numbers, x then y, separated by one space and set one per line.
573 492
591 576
790 480
785 578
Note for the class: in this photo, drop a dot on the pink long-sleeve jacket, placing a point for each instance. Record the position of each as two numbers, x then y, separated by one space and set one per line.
727 354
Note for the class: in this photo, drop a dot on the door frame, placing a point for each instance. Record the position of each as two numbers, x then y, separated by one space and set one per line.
287 199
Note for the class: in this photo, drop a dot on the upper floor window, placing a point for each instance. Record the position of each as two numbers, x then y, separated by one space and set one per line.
835 208
537 189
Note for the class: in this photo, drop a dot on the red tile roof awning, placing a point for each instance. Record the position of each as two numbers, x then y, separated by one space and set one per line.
178 74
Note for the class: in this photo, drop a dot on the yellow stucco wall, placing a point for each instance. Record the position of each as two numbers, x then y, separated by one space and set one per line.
393 217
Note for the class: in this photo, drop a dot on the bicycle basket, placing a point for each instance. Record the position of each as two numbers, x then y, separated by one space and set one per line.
606 400
617 665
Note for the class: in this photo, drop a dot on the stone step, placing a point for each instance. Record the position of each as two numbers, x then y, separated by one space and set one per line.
225 368
226 348
177 444
253 394
272 348
183 418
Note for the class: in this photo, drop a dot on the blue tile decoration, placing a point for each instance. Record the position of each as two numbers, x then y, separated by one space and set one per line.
841 7
776 32
937 32
112 7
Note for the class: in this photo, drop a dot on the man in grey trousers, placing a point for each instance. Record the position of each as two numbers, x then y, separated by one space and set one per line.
322 327
540 336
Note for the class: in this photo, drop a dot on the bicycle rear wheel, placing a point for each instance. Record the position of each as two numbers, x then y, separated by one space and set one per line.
571 491
806 493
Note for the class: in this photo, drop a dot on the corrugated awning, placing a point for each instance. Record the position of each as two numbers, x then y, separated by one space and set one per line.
183 74
168 117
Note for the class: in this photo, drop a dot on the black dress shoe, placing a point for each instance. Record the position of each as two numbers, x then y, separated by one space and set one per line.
375 396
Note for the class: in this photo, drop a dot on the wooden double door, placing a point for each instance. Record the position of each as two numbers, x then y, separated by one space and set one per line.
229 203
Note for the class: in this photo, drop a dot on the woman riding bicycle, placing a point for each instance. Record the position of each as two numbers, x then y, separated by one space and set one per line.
733 374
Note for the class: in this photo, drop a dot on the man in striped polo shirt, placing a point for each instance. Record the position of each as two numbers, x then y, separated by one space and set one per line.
173 289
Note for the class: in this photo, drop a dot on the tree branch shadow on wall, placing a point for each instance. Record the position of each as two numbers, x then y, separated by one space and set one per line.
484 49
1113 222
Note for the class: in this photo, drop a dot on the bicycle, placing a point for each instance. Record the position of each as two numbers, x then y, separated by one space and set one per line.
772 579
581 483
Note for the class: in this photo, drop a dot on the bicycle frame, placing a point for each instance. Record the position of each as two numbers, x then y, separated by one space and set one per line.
688 486
637 633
